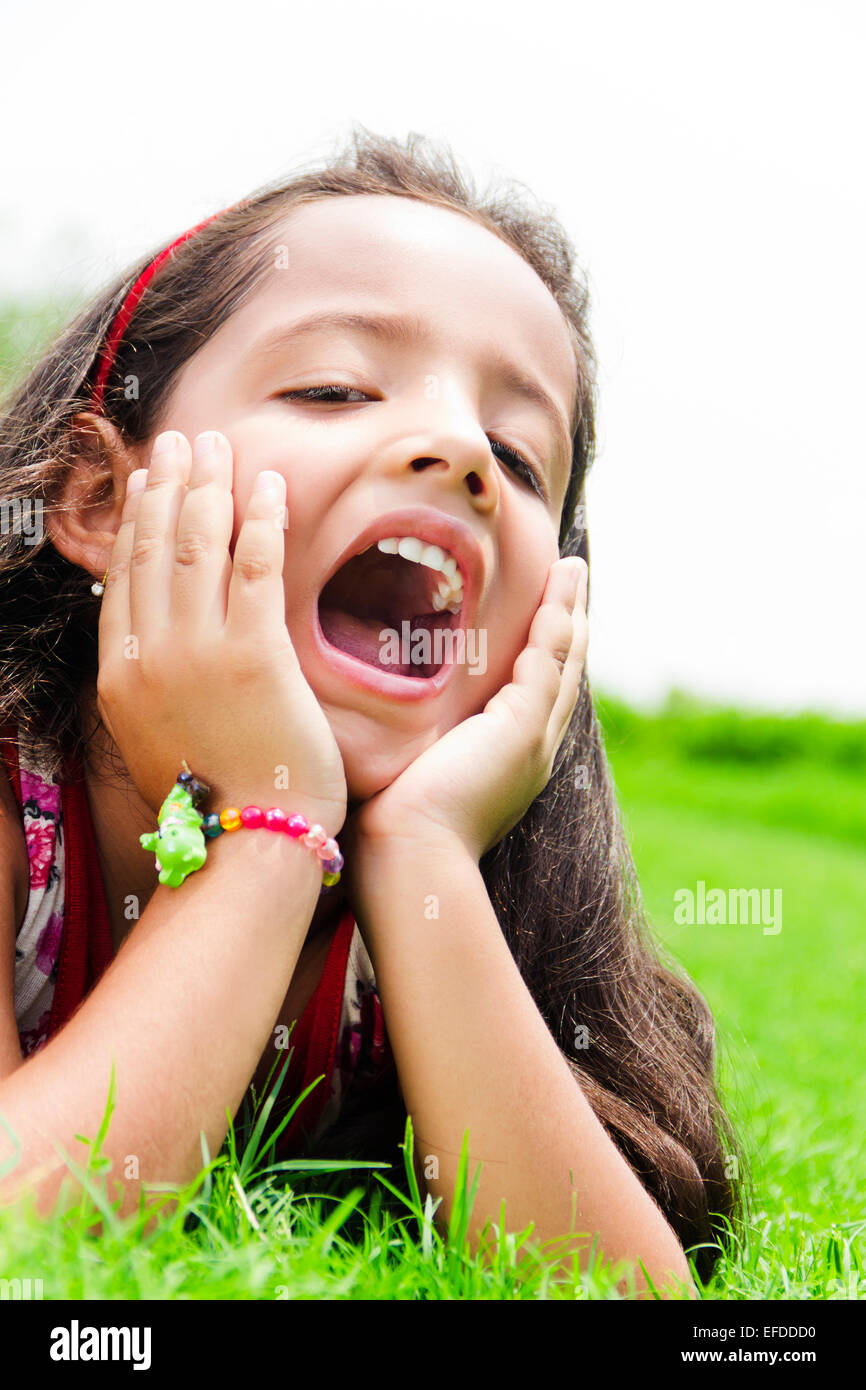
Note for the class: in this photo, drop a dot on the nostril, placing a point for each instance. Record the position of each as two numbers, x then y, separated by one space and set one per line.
475 483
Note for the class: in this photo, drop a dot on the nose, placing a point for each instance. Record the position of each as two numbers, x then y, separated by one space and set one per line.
478 480
453 448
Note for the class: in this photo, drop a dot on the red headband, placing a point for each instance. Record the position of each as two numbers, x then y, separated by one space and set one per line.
128 308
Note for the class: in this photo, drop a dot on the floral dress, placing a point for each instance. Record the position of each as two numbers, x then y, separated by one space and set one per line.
37 945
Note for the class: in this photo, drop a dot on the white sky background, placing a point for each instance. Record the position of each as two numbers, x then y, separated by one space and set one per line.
707 161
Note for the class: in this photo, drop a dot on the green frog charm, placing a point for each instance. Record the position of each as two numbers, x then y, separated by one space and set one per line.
179 843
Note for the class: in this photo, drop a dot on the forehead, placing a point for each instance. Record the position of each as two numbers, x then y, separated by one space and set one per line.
467 284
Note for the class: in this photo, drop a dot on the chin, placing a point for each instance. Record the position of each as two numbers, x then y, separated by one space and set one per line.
366 776
373 758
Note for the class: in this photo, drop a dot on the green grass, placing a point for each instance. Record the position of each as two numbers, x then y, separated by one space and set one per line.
334 1230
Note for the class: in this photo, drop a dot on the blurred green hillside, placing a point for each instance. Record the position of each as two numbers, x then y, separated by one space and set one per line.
27 327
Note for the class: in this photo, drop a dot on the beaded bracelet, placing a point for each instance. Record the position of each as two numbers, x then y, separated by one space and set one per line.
179 842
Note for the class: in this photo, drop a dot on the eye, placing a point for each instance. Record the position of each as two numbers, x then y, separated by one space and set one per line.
523 466
337 394
325 393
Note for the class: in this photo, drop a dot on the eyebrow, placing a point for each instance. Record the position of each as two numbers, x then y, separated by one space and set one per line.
401 330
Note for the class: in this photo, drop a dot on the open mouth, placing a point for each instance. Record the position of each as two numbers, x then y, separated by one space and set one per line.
376 593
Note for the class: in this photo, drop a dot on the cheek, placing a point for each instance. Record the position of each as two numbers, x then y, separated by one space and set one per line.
527 571
510 610
525 568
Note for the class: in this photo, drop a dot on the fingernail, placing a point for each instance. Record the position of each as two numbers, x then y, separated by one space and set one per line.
165 442
573 582
137 481
268 481
205 444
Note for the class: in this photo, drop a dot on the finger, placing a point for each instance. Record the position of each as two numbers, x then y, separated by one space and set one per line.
546 674
114 617
569 688
151 561
256 607
202 563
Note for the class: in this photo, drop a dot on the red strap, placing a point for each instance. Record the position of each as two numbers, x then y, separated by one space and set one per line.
10 755
86 947
128 307
315 1038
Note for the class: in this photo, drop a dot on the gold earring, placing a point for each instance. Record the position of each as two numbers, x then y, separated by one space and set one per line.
97 588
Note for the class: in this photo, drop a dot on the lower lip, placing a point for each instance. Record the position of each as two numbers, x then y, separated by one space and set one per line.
373 678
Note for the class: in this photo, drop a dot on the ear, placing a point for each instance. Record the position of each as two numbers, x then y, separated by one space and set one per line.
85 516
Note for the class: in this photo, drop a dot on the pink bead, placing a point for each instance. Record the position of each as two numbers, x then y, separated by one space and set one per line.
296 826
252 817
275 819
317 836
328 849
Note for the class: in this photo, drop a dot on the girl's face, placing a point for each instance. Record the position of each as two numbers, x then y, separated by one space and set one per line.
414 430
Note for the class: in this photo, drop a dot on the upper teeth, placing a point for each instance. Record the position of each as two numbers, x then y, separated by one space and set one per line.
450 591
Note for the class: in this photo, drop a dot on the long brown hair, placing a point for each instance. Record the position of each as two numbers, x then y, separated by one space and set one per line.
637 1034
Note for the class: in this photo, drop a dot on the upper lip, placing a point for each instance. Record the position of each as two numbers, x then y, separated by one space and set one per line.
434 528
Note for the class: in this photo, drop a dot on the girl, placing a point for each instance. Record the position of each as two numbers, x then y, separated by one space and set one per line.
356 406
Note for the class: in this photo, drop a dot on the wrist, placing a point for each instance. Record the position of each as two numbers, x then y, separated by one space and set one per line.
390 868
407 836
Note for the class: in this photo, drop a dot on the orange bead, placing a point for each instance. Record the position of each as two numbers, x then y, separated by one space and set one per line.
230 818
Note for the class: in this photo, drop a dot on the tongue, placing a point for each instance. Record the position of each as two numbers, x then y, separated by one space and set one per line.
359 637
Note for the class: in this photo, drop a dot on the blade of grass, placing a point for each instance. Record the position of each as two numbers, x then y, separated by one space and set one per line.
267 1107
330 1227
272 1141
461 1211
408 1147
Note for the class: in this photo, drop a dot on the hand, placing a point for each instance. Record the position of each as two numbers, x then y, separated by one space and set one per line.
195 659
477 781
